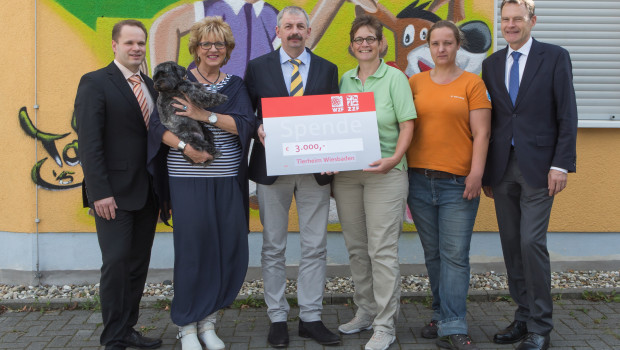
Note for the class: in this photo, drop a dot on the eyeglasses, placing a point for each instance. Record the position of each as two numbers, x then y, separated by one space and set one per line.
370 40
206 45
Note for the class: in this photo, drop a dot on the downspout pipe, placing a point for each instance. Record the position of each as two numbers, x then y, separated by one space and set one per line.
37 274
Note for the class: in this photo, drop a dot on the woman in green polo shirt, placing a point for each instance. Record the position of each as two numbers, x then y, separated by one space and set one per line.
371 202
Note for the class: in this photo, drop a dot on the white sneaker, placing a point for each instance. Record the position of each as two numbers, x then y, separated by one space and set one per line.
189 339
206 333
380 341
356 325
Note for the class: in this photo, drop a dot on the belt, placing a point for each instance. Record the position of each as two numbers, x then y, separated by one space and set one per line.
434 174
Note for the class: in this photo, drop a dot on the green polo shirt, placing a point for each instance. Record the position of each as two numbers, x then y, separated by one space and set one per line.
393 101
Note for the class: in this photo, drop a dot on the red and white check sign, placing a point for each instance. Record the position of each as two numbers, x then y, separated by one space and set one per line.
310 134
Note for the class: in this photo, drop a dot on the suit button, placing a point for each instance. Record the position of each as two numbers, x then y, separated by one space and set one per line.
514 115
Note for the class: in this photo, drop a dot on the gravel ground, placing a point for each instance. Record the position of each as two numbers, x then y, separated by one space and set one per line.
489 281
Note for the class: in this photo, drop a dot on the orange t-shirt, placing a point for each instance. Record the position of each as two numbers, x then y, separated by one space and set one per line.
442 138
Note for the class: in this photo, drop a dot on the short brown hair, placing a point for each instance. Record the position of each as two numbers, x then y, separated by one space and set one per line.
366 21
529 5
211 25
116 30
460 38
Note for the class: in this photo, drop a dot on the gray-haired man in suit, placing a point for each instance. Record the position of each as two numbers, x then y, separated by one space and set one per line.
277 74
532 148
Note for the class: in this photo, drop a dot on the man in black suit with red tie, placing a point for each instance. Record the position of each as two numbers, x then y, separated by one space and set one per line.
532 148
113 106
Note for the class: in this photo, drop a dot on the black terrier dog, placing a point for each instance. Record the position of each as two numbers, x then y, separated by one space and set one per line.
171 81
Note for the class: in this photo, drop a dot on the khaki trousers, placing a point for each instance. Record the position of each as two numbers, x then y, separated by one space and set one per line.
313 210
370 207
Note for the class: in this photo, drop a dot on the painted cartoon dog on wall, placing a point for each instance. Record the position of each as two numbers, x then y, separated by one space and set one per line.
410 28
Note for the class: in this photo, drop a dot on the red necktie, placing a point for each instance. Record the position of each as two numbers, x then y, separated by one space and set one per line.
137 90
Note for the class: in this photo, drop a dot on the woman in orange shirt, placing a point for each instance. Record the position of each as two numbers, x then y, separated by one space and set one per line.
446 161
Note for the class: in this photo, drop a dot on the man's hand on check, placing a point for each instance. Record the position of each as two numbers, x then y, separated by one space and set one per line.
261 134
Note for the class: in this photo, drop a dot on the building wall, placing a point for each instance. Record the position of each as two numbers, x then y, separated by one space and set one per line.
74 38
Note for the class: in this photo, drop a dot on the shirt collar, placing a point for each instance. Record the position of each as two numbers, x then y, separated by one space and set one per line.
126 72
304 57
524 50
237 5
380 72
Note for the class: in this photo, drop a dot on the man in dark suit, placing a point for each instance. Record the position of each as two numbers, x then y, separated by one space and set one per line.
532 148
112 106
292 71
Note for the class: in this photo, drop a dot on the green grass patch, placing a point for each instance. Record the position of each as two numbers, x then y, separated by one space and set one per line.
248 302
612 297
584 310
428 300
505 298
93 303
146 329
163 304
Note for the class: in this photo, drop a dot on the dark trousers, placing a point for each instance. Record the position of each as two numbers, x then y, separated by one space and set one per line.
523 218
125 244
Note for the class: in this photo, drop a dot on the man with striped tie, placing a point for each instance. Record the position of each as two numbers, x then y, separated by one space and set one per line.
291 70
112 106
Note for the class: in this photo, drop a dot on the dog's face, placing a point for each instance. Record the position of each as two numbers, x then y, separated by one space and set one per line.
167 76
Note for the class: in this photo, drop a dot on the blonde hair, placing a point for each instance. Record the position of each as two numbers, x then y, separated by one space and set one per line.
211 25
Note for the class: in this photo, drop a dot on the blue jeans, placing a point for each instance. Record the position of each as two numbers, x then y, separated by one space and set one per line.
445 221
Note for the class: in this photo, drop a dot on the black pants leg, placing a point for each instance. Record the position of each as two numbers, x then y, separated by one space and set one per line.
125 244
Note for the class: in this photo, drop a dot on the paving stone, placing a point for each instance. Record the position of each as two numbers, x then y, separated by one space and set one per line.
575 328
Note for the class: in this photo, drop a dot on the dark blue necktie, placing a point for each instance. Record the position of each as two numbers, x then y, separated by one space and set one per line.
247 9
513 81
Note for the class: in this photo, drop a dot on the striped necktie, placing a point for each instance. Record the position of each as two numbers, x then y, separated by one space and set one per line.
297 86
137 90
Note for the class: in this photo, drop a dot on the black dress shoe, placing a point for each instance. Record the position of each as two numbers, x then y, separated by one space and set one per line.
278 335
534 341
114 347
136 340
512 334
317 331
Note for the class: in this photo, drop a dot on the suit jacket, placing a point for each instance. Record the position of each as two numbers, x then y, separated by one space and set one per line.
264 78
543 120
112 138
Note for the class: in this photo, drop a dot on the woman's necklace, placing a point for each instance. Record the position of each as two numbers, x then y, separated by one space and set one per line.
219 72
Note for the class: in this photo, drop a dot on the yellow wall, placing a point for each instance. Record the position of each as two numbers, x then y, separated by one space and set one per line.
68 48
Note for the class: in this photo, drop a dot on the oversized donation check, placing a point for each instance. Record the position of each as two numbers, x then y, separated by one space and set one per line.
312 134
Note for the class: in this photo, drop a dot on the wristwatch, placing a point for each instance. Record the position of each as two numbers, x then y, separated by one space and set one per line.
181 146
213 118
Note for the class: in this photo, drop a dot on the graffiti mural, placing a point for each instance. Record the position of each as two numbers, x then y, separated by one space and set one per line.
87 26
410 27
54 177
251 21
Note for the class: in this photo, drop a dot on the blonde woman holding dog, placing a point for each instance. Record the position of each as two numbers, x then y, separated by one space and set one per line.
209 204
